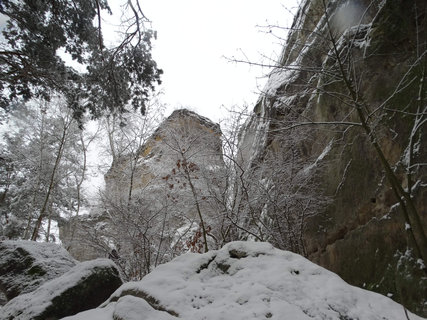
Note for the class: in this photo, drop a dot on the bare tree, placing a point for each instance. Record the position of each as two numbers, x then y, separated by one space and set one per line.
67 122
140 233
268 198
129 225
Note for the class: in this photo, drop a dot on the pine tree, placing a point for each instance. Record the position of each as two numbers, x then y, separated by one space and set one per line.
31 65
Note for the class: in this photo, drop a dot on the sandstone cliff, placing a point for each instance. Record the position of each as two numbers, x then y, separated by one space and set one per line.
183 133
155 200
339 56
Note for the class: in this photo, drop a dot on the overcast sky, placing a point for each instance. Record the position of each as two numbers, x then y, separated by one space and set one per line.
195 36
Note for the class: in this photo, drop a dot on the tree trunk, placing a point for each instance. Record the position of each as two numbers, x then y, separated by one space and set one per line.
51 183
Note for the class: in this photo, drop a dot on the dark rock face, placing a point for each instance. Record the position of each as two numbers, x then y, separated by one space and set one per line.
25 265
84 287
362 234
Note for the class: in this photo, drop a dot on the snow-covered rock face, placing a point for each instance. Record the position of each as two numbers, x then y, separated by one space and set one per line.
243 280
25 265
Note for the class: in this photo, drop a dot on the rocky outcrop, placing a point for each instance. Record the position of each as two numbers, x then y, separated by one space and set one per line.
25 265
77 236
156 181
84 287
361 234
243 280
183 133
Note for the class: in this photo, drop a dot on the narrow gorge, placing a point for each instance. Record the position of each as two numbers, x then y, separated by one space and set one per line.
308 175
311 205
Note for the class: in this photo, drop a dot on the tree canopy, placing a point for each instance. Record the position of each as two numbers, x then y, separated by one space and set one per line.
31 63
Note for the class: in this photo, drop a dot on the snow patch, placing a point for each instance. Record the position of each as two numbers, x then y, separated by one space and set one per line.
324 153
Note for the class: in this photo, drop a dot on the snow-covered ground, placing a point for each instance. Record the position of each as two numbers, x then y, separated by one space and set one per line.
244 280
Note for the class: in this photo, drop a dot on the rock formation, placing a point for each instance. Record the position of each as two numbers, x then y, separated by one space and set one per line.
243 280
25 265
84 287
77 236
183 133
339 60
163 189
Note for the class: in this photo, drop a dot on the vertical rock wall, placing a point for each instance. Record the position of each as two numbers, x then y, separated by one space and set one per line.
361 235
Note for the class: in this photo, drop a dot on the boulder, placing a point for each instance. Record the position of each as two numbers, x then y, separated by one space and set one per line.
84 287
244 280
25 265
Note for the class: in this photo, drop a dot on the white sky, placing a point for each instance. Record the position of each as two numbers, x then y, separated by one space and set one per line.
195 36
193 39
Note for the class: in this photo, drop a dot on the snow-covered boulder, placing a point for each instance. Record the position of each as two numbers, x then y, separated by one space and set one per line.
25 265
244 280
85 286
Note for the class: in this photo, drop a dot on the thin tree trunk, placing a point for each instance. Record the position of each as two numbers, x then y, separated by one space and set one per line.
111 129
132 173
49 222
51 182
40 167
199 212
83 176
80 183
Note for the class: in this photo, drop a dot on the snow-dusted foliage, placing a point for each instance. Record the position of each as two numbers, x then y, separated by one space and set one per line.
244 280
41 169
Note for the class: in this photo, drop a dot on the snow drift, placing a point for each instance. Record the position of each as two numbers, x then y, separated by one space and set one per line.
243 280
